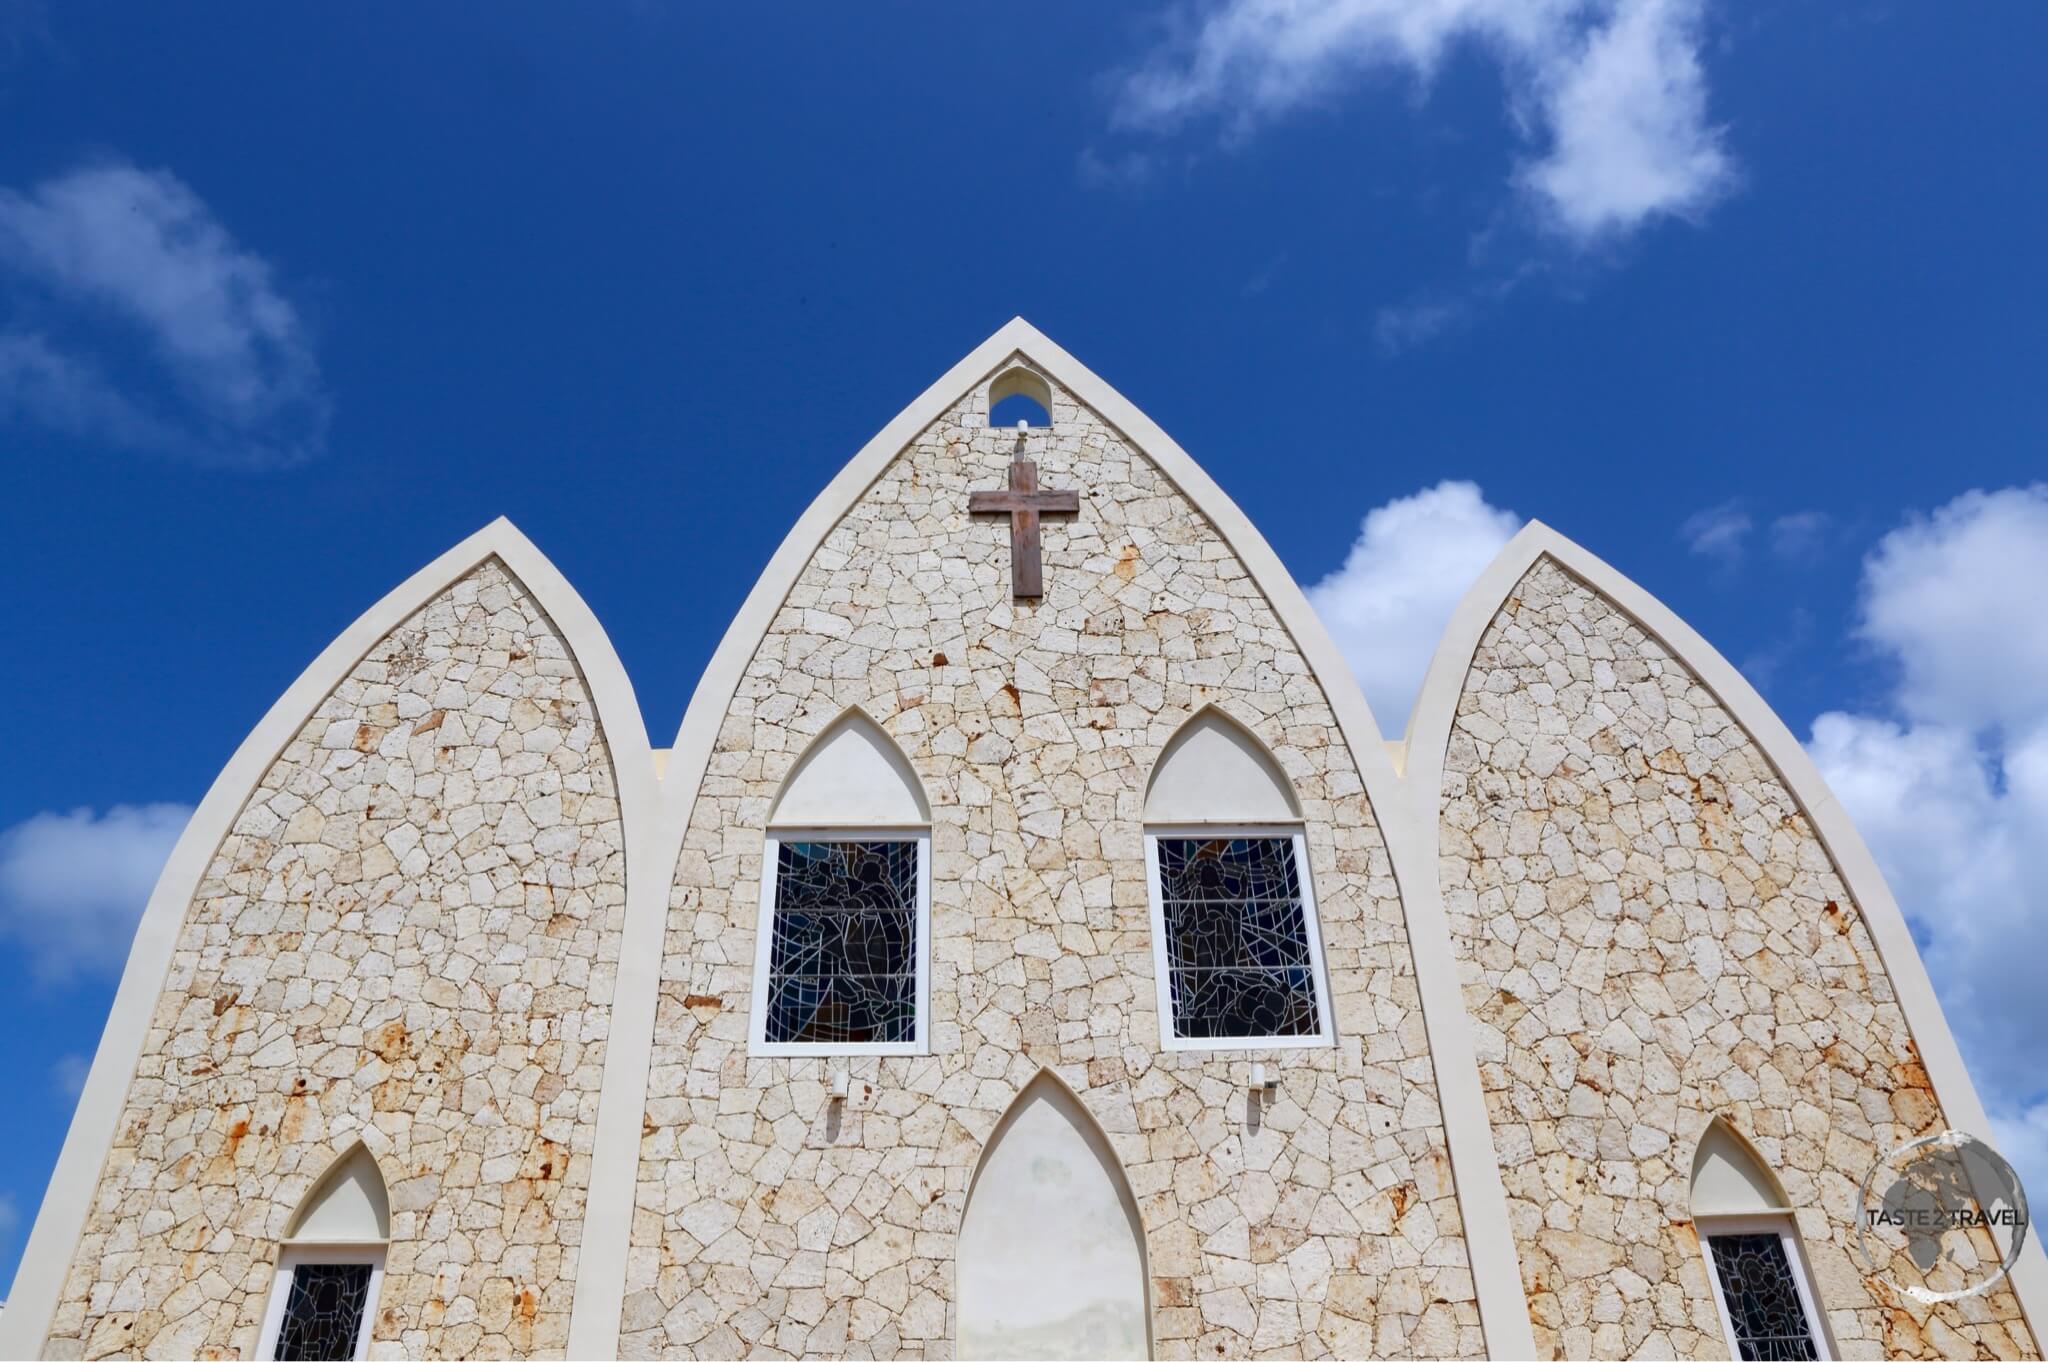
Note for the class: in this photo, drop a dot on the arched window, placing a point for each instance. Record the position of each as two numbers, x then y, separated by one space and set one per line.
1019 397
324 1294
1762 1286
1051 1258
1237 954
842 957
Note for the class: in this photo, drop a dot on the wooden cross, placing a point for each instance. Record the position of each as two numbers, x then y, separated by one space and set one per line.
1024 503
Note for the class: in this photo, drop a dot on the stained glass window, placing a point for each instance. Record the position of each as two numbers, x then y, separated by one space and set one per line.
1762 1298
1238 960
323 1314
842 966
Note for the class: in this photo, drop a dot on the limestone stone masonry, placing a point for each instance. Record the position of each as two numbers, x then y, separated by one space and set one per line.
1323 1225
1650 935
410 938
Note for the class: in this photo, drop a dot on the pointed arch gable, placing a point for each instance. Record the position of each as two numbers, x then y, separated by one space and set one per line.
1215 770
1496 1276
852 775
61 1219
1101 1278
347 1204
1730 1178
1019 346
1428 737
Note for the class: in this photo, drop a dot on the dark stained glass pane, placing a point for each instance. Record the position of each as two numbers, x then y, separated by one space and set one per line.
323 1315
842 964
1237 956
1763 1300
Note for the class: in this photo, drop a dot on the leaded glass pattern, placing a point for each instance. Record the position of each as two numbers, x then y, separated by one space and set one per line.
323 1314
842 965
1238 960
1762 1298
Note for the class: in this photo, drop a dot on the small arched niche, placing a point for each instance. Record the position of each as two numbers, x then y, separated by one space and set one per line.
1052 1256
1019 396
1728 1179
347 1206
1214 771
853 775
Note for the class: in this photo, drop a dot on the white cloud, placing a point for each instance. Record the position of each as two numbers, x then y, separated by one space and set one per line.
1609 94
2022 1136
1955 598
1800 536
1403 327
114 267
1951 787
1718 532
69 1074
1387 606
73 885
1626 105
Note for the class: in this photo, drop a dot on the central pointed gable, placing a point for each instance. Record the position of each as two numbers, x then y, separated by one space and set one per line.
1019 347
1031 726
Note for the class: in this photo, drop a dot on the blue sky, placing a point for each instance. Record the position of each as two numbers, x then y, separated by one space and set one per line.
1750 301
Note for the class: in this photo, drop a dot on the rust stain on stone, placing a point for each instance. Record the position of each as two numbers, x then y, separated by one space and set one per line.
389 1043
430 723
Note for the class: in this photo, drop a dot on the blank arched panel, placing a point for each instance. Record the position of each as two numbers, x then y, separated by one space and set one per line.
1052 1258
347 1206
1727 1179
1213 771
852 776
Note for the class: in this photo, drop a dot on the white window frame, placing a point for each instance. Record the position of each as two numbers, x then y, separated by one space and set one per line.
295 1256
764 941
1707 1227
1326 1035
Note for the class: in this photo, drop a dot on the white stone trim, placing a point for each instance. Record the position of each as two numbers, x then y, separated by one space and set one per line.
1782 1224
1503 1311
294 1256
764 945
1429 730
46 1260
1297 840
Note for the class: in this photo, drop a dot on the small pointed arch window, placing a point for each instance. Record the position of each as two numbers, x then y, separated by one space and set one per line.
1764 1290
1019 397
331 1265
842 957
1237 951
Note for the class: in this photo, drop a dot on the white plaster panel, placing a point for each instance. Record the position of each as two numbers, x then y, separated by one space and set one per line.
852 776
1727 1180
1051 1260
1215 772
349 1206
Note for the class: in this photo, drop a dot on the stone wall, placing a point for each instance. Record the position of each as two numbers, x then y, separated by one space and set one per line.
1324 1225
1650 934
410 937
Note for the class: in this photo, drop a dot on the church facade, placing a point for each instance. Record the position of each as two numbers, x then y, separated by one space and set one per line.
1029 946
